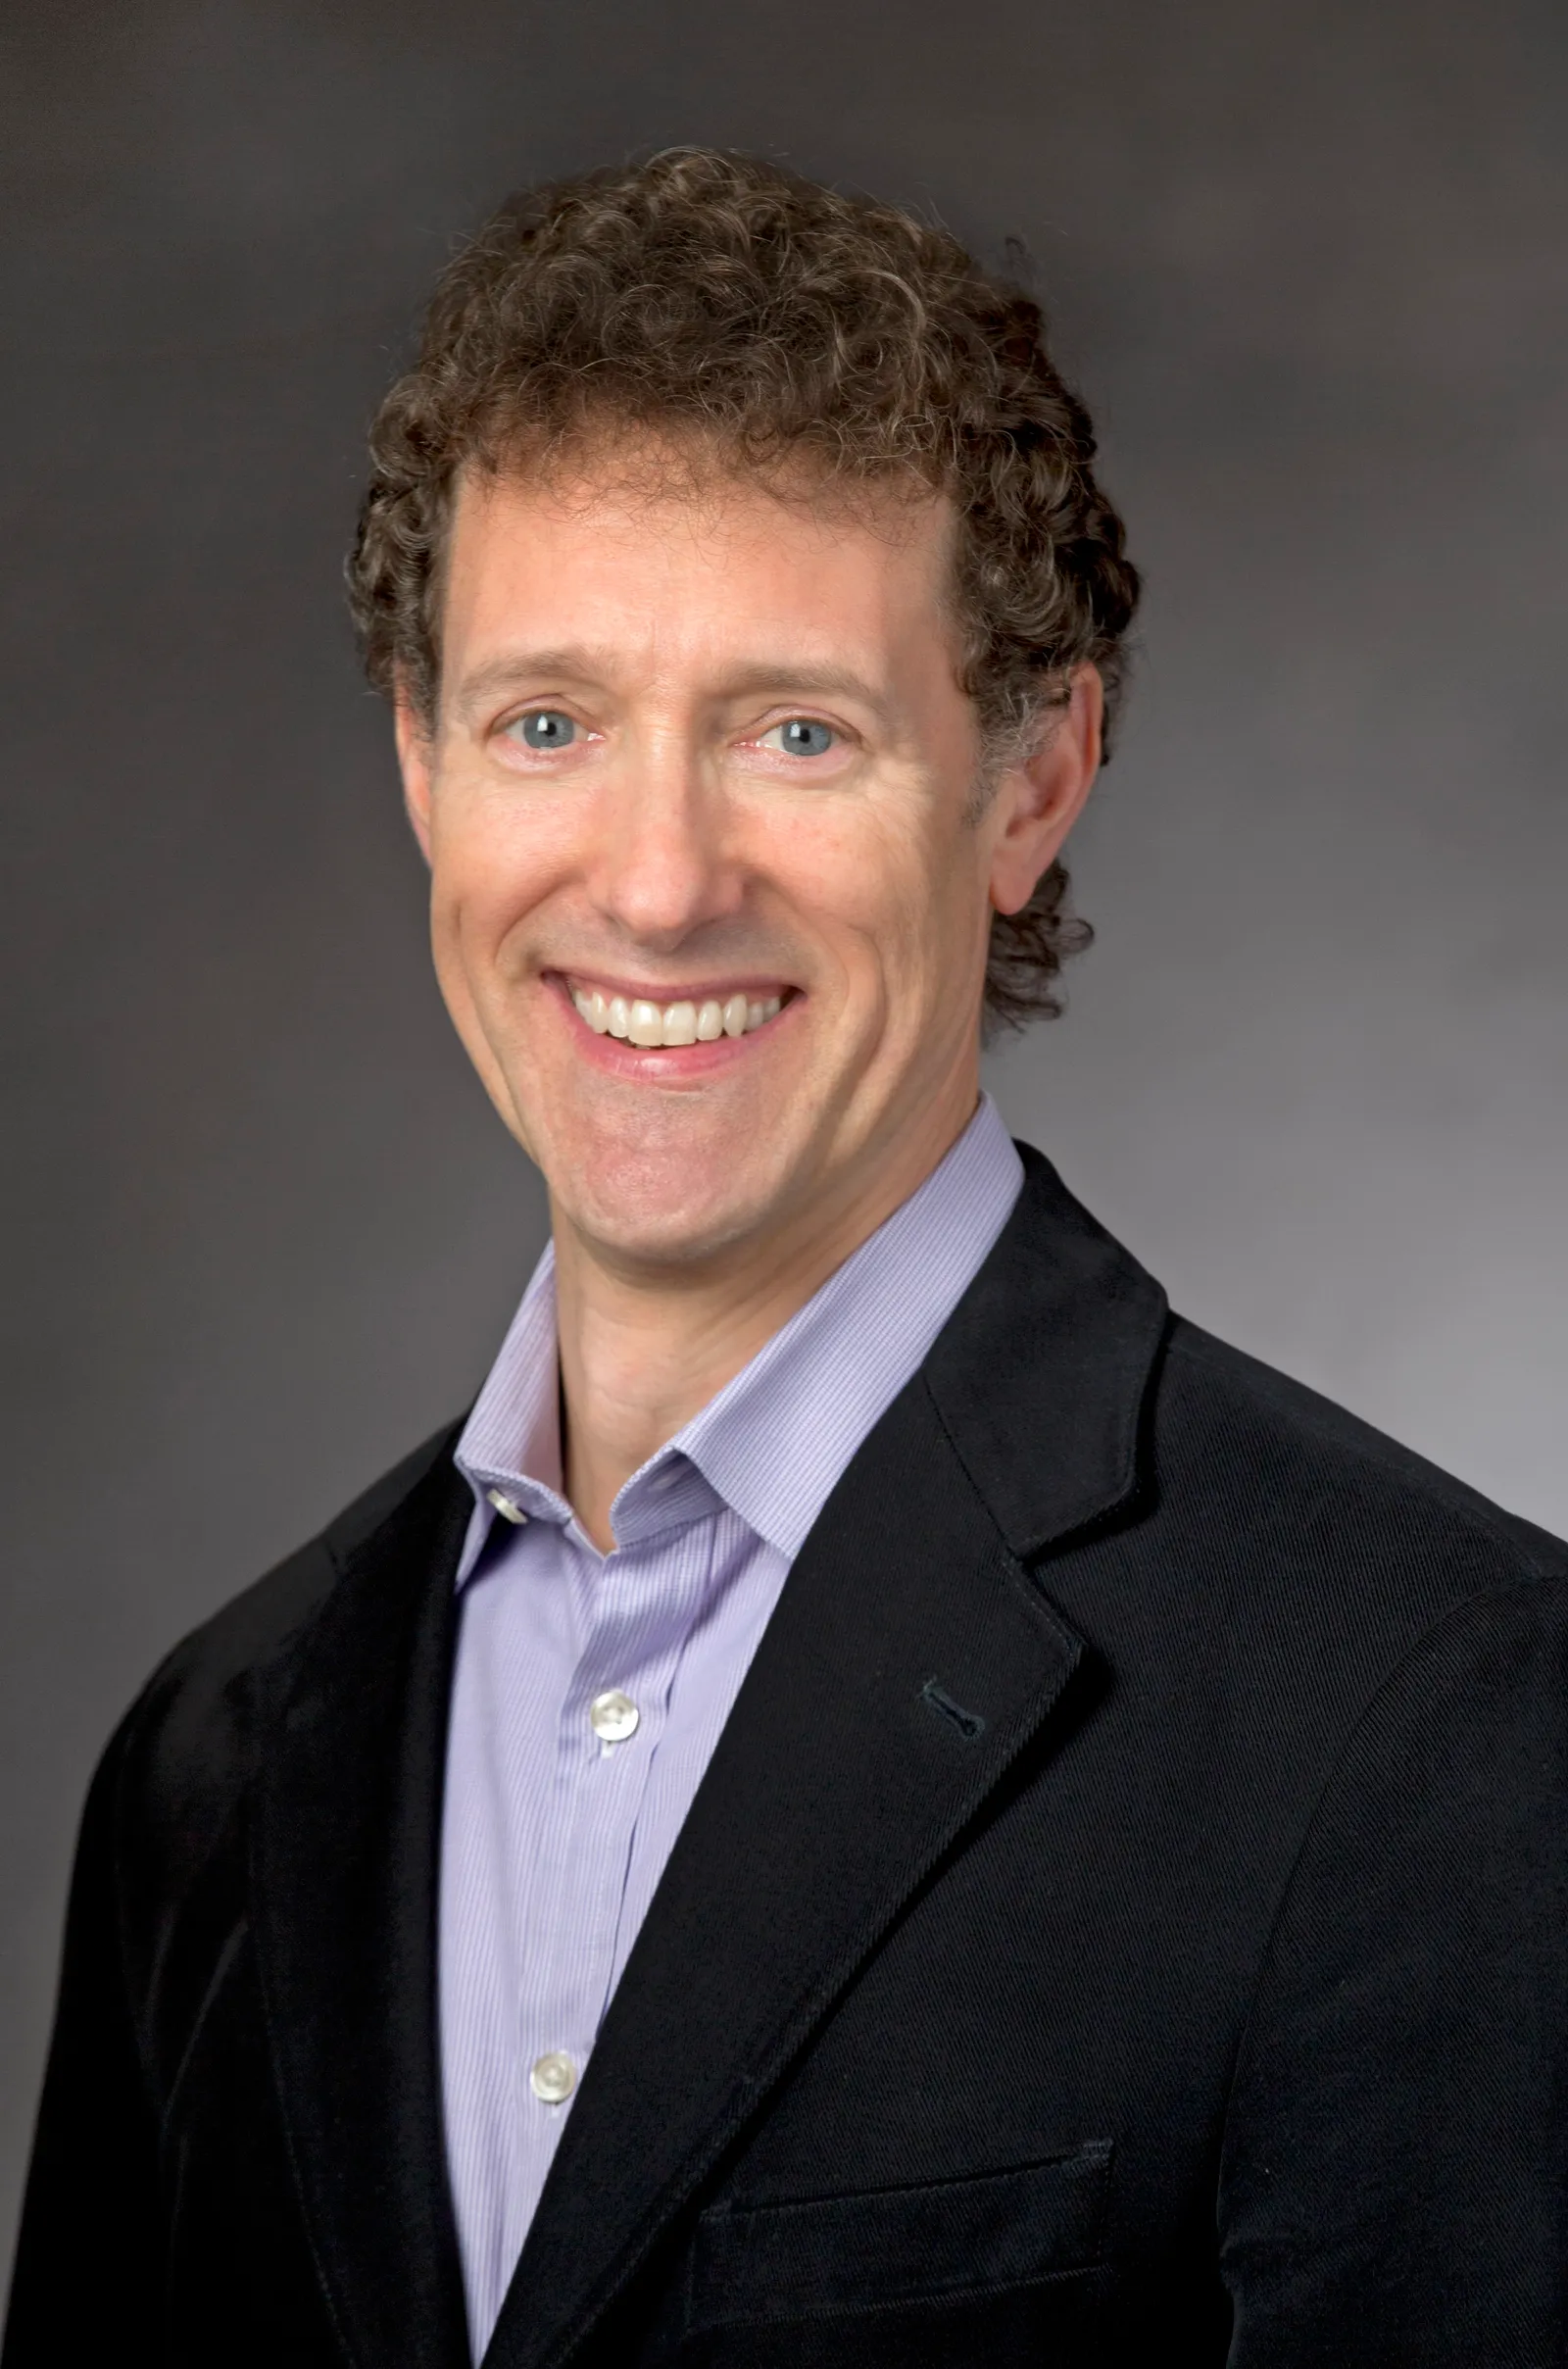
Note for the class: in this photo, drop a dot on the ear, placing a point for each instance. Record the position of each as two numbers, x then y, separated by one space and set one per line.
415 758
1035 804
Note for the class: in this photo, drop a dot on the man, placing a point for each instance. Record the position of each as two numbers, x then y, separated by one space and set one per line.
881 1799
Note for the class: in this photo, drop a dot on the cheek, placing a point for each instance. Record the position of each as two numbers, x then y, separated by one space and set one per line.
889 901
908 882
489 875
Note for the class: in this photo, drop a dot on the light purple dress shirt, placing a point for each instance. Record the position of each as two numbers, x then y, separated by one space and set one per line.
558 1818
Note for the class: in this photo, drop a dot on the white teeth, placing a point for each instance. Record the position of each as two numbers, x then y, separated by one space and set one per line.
685 1024
594 1008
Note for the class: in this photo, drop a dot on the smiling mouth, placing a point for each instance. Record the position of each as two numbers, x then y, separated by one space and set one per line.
689 1021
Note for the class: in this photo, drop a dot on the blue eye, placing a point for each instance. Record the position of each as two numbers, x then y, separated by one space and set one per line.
544 728
801 737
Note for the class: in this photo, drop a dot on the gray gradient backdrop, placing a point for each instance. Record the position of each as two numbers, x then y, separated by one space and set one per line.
262 1231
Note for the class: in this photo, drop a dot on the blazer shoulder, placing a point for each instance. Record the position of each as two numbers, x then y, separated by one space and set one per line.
1301 1455
185 1749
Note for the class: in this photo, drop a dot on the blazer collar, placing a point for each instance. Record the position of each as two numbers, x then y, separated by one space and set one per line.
344 1866
911 1658
1041 1377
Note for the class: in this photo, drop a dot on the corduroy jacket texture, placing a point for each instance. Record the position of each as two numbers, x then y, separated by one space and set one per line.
1125 1920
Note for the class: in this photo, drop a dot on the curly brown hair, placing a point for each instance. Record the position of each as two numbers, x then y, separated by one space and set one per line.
728 303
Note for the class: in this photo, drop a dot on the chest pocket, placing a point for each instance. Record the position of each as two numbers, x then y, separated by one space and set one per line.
885 2247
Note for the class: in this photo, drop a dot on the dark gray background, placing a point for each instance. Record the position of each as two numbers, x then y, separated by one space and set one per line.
263 1231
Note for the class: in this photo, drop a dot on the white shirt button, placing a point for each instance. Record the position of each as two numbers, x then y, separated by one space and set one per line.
552 2077
507 1505
613 1716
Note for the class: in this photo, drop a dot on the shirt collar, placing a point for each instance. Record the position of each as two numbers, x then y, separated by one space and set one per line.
774 1442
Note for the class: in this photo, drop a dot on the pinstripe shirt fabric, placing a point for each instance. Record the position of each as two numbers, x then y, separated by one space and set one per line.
554 1841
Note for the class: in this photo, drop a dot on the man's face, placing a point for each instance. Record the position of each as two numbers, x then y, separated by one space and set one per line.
710 906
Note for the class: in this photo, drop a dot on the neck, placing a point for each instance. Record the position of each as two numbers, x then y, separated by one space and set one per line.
642 1351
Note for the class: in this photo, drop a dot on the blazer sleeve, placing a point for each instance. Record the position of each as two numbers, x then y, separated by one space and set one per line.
87 2275
1395 2175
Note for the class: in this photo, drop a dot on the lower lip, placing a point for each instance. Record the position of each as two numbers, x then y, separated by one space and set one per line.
667 1064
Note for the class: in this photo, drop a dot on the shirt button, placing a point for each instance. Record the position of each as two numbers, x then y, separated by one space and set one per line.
552 2077
507 1505
613 1716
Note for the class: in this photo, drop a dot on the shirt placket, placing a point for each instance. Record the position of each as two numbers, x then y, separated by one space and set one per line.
635 1608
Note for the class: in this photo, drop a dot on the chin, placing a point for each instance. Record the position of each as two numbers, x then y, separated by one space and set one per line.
665 1186
662 1223
631 1239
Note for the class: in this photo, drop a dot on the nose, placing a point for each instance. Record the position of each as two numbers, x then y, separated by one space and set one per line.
660 865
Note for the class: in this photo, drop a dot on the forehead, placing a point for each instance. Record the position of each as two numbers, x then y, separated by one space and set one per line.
672 563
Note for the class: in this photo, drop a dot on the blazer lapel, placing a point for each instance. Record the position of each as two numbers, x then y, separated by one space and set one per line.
911 1658
343 1876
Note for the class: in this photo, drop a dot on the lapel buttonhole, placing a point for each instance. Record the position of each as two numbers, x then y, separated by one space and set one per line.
969 1724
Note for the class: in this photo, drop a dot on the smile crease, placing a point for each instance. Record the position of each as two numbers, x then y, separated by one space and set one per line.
681 1023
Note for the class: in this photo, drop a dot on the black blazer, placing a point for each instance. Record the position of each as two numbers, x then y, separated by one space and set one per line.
1124 1920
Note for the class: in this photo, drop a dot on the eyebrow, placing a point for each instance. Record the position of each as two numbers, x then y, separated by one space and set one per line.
586 665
